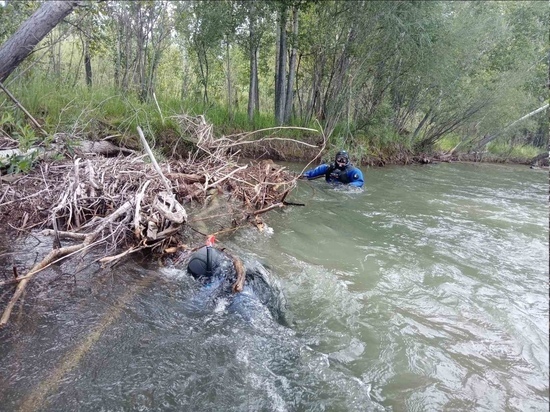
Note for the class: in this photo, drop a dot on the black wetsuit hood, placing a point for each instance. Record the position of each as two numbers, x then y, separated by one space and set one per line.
203 262
339 155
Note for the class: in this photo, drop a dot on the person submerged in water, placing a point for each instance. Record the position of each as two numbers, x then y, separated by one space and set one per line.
339 172
248 287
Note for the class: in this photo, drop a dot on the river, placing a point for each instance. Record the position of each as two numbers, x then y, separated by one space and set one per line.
427 291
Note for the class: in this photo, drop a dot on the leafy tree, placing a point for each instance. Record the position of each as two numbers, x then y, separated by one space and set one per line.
206 26
417 71
143 30
12 14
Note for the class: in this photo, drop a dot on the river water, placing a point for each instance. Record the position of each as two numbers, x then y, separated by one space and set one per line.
427 291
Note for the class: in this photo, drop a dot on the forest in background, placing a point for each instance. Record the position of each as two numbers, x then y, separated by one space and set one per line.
379 78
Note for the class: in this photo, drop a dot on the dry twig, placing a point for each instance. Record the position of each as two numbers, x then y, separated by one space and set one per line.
139 204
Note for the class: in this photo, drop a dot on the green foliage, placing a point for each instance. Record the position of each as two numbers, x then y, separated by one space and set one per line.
448 142
13 14
520 153
20 163
18 130
380 78
7 121
26 137
382 137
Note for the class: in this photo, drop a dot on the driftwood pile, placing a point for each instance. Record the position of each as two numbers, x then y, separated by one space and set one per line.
131 203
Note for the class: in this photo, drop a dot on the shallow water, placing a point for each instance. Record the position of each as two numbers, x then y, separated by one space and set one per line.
426 291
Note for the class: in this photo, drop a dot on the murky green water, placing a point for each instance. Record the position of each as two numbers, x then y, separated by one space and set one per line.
428 291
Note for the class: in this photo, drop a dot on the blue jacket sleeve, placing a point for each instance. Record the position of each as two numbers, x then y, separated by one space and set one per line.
319 170
355 177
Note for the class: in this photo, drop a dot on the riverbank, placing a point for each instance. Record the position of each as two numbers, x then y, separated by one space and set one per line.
375 157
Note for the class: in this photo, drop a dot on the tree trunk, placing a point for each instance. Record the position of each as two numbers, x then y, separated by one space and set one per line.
229 86
118 58
253 99
256 83
87 64
55 57
141 81
314 96
203 67
22 43
185 76
280 77
335 93
490 138
292 68
277 49
421 124
253 84
125 49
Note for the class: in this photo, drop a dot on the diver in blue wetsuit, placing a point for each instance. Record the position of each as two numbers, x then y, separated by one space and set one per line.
260 293
339 172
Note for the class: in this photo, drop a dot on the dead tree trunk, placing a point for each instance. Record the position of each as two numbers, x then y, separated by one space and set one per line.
22 43
492 137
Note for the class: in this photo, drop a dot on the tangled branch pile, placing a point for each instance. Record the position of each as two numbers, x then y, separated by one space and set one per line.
133 203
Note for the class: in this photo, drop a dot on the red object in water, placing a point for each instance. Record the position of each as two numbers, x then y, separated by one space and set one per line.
210 240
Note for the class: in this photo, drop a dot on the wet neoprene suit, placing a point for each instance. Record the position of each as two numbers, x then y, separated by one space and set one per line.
348 175
215 270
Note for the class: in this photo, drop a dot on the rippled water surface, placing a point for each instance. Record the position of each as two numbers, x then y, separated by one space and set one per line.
428 291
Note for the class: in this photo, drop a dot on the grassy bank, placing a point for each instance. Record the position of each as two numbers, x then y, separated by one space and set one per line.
95 114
